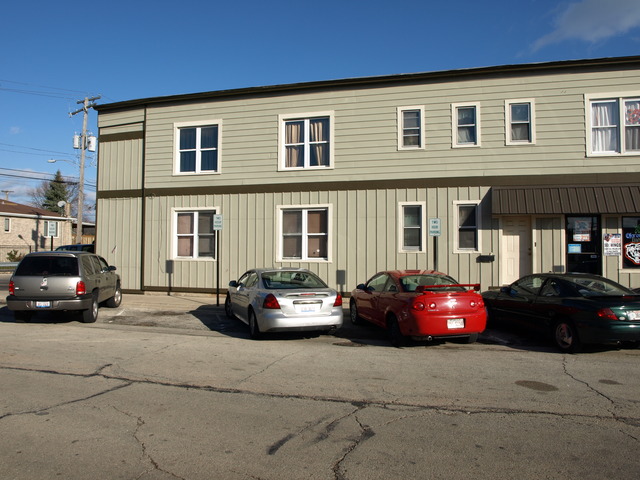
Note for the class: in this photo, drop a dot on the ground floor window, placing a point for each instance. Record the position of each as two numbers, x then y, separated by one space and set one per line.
467 216
411 227
631 242
7 225
305 233
195 237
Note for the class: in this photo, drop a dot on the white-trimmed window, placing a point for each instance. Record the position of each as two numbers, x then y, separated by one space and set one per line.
466 124
467 224
412 226
520 122
51 229
306 141
197 147
304 233
7 225
194 236
410 128
614 125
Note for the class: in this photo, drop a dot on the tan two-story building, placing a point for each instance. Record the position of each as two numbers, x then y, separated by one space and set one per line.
486 174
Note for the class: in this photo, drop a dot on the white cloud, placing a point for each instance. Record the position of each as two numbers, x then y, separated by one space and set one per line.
592 21
15 130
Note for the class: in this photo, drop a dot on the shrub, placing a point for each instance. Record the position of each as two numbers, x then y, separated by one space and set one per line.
14 256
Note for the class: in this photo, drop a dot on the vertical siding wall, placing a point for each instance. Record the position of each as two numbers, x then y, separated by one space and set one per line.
364 236
120 169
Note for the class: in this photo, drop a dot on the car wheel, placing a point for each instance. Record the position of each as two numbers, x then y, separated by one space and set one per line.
22 315
473 338
91 314
566 337
254 329
227 307
116 300
396 337
353 313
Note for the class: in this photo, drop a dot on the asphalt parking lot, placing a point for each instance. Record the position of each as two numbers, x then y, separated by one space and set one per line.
200 314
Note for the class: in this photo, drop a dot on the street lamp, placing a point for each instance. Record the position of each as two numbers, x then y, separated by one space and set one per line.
80 196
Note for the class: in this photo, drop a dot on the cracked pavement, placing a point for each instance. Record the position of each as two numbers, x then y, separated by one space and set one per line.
114 401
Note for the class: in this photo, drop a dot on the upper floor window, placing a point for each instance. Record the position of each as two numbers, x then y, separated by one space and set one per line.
304 233
519 122
468 226
615 125
412 231
194 234
198 148
466 125
306 141
410 128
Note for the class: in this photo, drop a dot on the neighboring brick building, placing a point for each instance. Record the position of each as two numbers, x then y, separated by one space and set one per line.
27 229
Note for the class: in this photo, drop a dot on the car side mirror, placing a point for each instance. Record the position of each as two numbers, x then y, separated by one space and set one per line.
112 268
233 283
361 286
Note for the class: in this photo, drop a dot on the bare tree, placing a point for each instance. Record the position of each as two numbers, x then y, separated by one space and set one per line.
40 195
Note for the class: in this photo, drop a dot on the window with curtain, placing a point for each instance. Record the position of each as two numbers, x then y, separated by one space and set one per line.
305 234
198 149
519 122
615 126
195 237
307 142
467 227
410 128
412 228
466 126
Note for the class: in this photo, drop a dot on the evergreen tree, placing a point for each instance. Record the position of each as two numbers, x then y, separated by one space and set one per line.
56 191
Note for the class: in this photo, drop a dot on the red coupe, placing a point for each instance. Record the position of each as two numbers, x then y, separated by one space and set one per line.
419 305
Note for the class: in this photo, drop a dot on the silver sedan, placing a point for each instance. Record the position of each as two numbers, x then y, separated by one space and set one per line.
284 299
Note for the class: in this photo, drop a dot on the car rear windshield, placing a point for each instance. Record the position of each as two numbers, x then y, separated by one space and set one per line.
595 287
286 279
411 282
47 266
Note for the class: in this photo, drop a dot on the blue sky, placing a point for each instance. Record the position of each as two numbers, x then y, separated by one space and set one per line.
53 54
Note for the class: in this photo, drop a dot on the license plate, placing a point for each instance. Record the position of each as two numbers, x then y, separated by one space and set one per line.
453 323
308 308
633 315
43 304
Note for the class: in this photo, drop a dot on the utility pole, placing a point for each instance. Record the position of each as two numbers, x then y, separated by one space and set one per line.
83 146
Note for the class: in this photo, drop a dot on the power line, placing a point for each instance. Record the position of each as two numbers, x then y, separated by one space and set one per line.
53 92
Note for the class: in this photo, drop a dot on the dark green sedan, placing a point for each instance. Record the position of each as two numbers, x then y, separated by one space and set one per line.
574 308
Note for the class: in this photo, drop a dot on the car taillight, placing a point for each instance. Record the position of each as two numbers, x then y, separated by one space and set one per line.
12 288
479 303
271 302
81 288
418 305
338 302
607 313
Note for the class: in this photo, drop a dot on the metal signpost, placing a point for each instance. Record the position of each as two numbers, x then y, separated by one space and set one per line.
435 231
217 228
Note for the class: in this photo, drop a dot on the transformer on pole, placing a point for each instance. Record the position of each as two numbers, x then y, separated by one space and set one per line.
83 144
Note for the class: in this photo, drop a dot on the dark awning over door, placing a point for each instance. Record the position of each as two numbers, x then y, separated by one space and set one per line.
611 199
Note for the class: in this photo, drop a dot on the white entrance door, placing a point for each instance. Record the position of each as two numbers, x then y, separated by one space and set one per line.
515 248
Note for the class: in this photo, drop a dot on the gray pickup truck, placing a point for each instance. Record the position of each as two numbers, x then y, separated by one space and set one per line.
57 281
